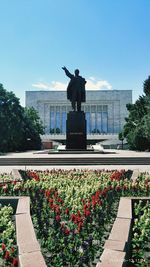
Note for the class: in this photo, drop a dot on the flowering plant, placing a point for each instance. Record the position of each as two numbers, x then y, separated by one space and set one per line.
8 248
141 234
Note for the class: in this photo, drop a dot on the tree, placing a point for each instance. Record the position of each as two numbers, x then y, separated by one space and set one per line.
147 86
17 124
32 129
137 127
35 120
11 116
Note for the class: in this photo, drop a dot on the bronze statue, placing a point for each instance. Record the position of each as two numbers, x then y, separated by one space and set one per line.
75 89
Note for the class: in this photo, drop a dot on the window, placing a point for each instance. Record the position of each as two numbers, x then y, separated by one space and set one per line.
93 122
104 122
64 118
52 122
99 122
58 125
87 115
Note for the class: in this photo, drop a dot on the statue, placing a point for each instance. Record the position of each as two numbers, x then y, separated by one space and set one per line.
75 89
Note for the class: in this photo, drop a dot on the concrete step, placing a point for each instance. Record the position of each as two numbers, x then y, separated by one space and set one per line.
75 161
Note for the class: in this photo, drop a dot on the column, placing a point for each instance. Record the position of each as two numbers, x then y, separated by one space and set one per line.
40 109
47 117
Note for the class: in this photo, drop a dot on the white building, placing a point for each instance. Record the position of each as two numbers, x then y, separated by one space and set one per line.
105 110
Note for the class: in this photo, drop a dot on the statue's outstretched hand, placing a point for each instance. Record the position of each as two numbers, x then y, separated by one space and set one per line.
64 68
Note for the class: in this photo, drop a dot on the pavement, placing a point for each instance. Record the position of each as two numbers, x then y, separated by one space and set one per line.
109 153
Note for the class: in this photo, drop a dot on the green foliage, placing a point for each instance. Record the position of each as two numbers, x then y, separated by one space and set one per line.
20 127
138 140
141 233
96 131
8 247
121 136
147 86
137 127
55 130
33 128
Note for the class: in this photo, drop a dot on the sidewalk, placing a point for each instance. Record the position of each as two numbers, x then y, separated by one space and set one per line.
112 153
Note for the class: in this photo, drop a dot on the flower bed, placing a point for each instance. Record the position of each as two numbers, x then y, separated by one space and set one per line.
8 248
73 211
141 234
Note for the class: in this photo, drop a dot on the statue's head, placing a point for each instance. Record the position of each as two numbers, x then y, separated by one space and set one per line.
76 72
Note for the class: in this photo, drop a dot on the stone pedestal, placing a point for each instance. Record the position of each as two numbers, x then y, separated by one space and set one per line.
76 131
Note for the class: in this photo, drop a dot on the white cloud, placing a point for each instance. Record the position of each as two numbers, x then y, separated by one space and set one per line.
92 84
92 78
54 85
41 85
59 85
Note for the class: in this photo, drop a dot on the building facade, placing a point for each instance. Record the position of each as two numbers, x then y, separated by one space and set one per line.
105 110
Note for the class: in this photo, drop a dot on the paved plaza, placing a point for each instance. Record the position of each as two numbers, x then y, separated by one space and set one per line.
44 154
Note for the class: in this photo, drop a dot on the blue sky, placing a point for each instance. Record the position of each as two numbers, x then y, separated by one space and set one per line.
108 40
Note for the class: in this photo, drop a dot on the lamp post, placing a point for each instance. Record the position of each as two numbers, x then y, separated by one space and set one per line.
121 138
122 143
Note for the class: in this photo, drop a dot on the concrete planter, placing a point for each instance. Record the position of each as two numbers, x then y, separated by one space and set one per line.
29 251
16 175
117 249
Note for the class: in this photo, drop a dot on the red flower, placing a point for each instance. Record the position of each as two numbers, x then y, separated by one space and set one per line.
67 231
85 206
5 187
124 187
47 193
79 227
58 219
99 202
147 187
56 194
93 203
3 247
51 200
34 175
147 184
15 262
78 213
118 188
60 200
67 211
78 219
12 249
117 175
86 213
53 206
7 255
73 217
57 209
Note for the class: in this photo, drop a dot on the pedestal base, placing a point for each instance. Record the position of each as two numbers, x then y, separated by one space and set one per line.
76 131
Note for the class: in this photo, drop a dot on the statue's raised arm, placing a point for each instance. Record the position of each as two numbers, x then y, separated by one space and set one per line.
67 72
